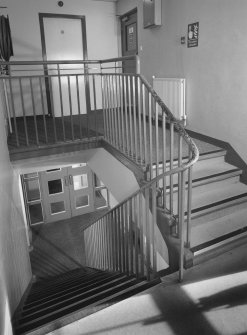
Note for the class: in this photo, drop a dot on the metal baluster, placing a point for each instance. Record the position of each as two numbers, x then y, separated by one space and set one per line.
164 157
95 107
112 128
148 228
181 227
135 112
103 93
107 109
140 224
120 79
126 225
156 138
13 109
118 112
123 233
150 134
180 153
126 116
34 112
153 225
43 108
78 105
171 164
52 109
130 202
144 122
114 109
140 119
61 100
70 109
136 230
118 244
130 116
24 113
189 196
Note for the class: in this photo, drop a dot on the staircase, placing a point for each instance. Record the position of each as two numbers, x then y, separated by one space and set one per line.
54 303
218 208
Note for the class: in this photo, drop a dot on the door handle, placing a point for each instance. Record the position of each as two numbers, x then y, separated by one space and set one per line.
70 179
66 182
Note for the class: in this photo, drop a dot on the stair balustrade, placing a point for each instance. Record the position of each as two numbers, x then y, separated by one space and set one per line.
49 103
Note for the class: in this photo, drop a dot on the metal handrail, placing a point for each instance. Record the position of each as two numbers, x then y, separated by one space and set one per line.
179 170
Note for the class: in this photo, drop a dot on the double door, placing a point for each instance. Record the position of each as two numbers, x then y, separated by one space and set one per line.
67 192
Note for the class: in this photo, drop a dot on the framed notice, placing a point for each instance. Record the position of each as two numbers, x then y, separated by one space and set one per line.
193 35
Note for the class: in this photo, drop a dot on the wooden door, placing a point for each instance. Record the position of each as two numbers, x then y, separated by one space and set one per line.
63 37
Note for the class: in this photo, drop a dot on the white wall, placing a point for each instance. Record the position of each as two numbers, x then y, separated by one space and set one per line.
15 270
101 26
216 70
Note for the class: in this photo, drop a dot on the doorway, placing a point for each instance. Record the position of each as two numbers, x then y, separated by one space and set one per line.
61 193
63 37
129 39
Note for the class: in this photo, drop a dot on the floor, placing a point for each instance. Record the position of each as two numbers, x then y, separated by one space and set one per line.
212 300
58 247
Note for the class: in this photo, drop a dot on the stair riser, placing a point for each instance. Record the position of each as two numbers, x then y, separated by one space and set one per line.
66 286
66 298
214 159
219 249
66 319
212 209
232 177
29 323
37 286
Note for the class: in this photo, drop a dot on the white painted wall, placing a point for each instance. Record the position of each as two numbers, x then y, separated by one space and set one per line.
120 181
101 26
216 71
15 270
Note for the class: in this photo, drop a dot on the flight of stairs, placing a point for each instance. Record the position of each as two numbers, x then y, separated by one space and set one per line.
219 208
53 303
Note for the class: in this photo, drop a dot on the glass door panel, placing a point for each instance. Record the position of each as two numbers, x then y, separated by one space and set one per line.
56 195
81 190
80 181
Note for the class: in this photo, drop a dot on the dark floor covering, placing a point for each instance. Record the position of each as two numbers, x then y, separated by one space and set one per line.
58 247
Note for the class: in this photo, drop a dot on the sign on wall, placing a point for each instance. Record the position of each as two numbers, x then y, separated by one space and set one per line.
193 35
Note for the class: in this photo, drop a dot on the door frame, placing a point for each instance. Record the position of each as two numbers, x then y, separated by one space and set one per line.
132 11
123 36
44 54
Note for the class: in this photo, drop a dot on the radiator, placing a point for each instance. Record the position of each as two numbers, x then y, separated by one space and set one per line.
172 92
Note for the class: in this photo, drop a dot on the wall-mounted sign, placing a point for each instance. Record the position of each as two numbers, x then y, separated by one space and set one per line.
193 35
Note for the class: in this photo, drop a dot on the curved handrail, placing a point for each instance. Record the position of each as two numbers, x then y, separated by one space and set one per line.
179 170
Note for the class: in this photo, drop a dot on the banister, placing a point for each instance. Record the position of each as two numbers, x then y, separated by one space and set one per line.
132 112
43 62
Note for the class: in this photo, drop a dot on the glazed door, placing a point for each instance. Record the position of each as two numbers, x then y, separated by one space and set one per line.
67 192
81 190
55 194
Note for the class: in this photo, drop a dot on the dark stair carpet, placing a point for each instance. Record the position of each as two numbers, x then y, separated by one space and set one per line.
53 303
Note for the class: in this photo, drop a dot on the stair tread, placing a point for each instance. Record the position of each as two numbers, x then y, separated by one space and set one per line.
67 286
205 168
67 297
213 194
128 284
219 227
209 193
